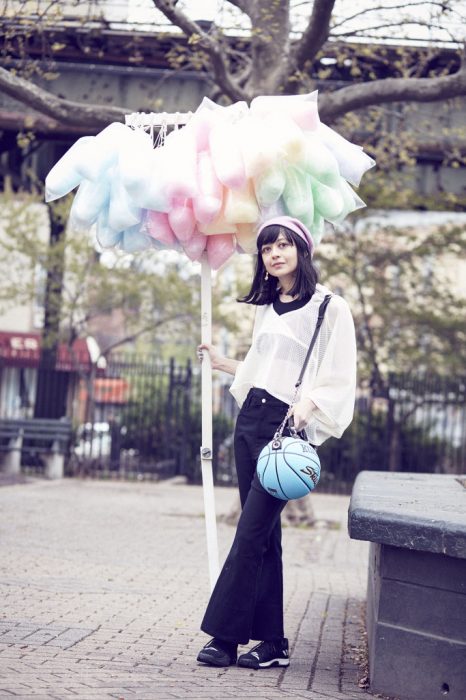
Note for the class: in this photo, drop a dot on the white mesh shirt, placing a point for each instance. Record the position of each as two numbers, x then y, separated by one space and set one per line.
277 353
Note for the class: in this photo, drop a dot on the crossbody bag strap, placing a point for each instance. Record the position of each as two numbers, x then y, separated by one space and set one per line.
320 318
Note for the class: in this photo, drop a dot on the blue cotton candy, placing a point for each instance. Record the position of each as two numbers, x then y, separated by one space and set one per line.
66 175
123 212
142 171
90 199
107 237
135 240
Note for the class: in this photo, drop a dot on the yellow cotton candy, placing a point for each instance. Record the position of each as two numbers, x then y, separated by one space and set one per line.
241 206
217 226
297 194
328 201
269 186
258 146
289 138
246 237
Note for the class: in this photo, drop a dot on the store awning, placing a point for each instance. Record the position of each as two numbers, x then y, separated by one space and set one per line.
23 350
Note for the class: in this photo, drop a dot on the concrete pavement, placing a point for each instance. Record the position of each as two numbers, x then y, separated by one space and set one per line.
103 586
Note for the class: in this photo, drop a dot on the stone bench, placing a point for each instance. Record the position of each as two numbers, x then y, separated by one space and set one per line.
416 594
47 437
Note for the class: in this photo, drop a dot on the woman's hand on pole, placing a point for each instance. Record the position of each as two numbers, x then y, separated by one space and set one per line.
217 360
302 413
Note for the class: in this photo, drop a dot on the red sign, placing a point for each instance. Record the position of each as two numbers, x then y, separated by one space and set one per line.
23 350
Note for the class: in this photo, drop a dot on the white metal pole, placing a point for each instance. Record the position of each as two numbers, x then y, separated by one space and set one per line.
207 447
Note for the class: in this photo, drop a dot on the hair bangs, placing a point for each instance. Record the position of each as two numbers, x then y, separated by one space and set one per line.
270 234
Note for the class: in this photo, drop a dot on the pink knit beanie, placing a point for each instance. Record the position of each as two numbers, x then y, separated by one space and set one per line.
293 225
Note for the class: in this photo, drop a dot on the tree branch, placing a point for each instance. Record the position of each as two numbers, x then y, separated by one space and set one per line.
376 92
205 41
137 334
64 111
316 33
243 5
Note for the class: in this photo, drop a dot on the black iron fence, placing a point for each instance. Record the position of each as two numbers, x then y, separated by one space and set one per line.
138 417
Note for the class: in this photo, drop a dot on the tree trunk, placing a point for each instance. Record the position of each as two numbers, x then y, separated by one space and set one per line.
52 385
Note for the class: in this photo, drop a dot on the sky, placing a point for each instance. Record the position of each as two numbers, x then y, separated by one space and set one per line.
412 20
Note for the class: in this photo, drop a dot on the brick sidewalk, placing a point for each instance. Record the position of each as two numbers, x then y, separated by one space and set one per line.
104 584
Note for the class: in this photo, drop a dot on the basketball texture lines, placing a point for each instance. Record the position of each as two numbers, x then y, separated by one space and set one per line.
290 470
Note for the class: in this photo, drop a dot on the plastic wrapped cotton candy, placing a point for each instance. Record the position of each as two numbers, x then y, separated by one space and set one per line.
219 249
290 139
317 229
208 201
259 147
158 227
102 153
352 161
135 239
269 186
297 194
246 238
180 174
65 175
195 246
91 198
241 206
351 201
226 155
107 237
181 219
302 109
319 161
141 168
217 226
328 201
123 213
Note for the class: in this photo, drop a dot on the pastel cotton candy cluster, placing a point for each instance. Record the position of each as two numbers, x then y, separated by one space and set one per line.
208 187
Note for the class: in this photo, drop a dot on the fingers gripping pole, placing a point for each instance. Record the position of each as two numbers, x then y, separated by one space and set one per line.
206 449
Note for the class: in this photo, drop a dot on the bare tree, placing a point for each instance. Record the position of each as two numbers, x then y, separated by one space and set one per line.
275 57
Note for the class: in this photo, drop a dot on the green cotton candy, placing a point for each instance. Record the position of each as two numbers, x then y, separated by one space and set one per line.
317 229
297 194
269 186
328 201
319 161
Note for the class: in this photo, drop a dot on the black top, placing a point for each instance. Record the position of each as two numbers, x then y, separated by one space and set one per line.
281 307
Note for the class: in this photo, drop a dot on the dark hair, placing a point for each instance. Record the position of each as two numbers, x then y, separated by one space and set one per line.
265 291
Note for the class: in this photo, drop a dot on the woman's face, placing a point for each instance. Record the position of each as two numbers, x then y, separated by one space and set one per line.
280 258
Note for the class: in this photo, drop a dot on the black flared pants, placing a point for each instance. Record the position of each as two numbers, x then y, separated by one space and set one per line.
247 601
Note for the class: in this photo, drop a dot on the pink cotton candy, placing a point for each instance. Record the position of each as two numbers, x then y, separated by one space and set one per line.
180 165
201 124
226 155
208 202
219 249
158 227
302 109
181 218
195 246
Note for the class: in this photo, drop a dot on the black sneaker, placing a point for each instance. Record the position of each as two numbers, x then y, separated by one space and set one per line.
218 653
266 654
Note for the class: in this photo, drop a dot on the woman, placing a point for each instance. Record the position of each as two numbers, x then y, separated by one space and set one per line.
247 601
